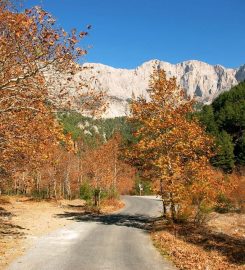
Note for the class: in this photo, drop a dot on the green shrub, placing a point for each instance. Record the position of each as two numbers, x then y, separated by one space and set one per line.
224 204
109 194
201 213
40 195
86 191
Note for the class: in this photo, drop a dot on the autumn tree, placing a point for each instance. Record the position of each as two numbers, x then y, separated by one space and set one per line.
30 46
171 148
105 171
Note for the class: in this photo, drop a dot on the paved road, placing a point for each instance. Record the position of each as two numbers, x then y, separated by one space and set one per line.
113 242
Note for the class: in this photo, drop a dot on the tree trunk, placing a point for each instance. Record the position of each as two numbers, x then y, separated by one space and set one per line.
115 173
97 193
172 207
163 200
79 179
55 187
67 185
38 180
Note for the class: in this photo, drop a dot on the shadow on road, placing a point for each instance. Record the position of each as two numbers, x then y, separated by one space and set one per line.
228 246
135 221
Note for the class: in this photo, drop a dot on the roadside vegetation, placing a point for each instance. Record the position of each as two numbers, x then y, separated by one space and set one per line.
193 159
44 153
42 160
190 169
225 120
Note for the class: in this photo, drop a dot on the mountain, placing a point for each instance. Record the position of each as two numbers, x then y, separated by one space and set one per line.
200 80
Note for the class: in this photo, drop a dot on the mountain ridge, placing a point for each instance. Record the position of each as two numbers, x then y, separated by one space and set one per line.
155 60
200 80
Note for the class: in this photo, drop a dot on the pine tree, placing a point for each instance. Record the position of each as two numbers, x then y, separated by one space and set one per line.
225 157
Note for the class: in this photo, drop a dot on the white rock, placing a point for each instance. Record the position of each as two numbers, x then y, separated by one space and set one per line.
200 80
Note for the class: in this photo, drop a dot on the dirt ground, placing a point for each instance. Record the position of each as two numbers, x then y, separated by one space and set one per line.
219 245
22 220
231 224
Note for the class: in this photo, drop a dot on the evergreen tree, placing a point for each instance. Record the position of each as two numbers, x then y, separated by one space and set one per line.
225 119
207 118
240 150
225 157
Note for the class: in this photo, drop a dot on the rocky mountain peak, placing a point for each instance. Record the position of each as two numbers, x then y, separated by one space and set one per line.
199 79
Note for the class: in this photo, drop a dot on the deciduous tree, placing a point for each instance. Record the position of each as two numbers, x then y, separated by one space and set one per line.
172 148
30 45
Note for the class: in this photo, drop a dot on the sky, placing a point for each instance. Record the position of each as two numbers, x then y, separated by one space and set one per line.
126 33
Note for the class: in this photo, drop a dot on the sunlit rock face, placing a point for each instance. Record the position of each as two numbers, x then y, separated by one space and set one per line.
200 80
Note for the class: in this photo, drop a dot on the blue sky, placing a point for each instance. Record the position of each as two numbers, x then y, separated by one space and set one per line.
126 33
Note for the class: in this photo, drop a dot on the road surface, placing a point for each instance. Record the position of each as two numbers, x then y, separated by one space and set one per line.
118 241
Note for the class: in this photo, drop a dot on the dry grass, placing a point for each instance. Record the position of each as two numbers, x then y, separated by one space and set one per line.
111 205
231 224
218 246
22 220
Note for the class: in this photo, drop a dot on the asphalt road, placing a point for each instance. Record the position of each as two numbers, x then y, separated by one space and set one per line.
118 241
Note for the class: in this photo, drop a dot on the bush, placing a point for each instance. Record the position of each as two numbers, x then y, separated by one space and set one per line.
40 195
192 213
110 194
184 214
86 191
201 213
224 204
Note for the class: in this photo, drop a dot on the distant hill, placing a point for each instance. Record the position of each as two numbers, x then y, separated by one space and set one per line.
94 132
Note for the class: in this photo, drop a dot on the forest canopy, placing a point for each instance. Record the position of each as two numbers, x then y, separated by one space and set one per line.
225 119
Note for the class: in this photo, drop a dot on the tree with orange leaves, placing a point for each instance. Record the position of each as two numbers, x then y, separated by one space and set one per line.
105 171
171 148
31 44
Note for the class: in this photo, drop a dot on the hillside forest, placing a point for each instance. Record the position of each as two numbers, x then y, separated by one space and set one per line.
194 159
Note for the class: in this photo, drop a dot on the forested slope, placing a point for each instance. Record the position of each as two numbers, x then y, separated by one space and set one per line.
225 119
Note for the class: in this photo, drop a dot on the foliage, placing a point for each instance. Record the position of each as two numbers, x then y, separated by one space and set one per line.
225 156
86 192
105 170
224 204
90 129
36 157
239 150
225 119
233 198
145 184
171 148
30 43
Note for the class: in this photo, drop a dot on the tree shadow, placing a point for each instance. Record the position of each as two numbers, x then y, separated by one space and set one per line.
135 221
75 206
233 248
6 227
4 213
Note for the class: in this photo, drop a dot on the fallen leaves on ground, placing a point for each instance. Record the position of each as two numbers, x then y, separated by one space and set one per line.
193 248
111 205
